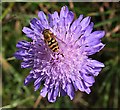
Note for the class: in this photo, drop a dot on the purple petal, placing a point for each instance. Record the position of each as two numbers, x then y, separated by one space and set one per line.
76 33
43 18
92 43
88 84
79 84
73 78
94 49
96 35
27 30
70 91
18 56
64 11
98 47
44 92
28 79
95 63
37 81
26 64
50 20
69 19
76 23
36 26
89 79
50 96
53 19
89 29
23 44
63 93
85 22
55 93
87 90
29 33
36 87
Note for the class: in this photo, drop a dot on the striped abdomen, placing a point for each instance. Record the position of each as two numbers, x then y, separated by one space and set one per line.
50 40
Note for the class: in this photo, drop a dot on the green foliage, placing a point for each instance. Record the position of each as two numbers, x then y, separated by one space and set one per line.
105 92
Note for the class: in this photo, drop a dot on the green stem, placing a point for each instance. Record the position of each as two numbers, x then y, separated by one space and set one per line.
18 102
7 10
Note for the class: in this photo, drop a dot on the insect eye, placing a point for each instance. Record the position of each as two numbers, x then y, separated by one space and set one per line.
46 36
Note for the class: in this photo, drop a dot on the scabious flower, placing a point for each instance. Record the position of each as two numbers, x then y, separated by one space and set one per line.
68 70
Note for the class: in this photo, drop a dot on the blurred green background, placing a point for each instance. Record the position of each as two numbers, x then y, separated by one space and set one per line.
105 91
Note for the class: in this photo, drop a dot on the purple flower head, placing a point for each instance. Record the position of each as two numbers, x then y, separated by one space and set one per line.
69 68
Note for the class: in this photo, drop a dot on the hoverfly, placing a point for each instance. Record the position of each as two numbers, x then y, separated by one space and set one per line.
50 40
